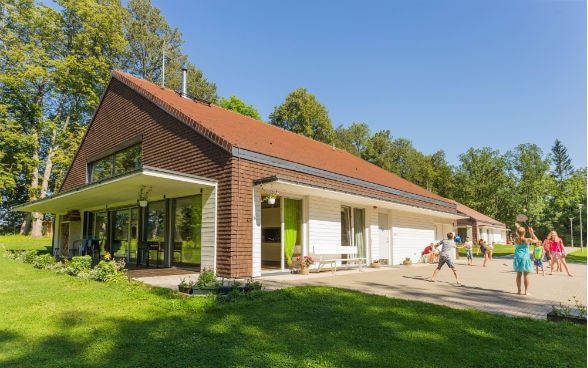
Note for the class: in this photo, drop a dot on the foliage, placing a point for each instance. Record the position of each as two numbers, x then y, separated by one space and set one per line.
407 261
144 192
572 308
353 139
55 65
303 261
78 265
267 195
301 113
206 278
186 283
150 36
562 163
44 261
111 270
234 103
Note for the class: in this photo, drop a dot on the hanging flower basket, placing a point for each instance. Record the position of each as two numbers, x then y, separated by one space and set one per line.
269 197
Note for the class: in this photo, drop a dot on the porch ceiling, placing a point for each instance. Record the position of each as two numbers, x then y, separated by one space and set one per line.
119 191
296 189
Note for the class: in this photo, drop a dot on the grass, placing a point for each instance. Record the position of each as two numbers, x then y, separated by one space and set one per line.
501 250
21 242
52 320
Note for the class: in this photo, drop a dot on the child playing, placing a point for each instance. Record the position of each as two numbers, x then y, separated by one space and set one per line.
537 258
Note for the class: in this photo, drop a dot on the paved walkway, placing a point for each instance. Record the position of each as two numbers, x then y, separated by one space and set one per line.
491 289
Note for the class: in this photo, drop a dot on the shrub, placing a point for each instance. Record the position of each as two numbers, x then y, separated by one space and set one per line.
44 261
110 270
206 279
29 256
78 265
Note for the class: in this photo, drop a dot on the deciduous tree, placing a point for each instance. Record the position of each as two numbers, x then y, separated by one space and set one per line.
301 113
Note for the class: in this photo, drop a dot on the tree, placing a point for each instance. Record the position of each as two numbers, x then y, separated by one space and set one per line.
483 183
353 139
150 37
235 104
531 172
301 113
562 163
54 68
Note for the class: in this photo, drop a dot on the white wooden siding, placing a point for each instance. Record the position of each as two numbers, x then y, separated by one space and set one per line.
324 225
256 235
412 233
208 256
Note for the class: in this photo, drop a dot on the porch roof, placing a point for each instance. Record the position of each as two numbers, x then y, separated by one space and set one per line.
297 187
119 191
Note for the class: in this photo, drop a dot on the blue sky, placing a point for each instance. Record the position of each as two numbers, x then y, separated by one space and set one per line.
447 75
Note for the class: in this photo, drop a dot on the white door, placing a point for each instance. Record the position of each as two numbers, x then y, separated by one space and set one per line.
384 237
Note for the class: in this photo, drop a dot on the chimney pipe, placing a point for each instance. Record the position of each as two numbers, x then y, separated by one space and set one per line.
184 83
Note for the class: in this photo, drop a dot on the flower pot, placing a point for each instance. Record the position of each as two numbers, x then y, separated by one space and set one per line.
271 200
185 289
304 270
559 318
249 289
375 265
143 203
202 291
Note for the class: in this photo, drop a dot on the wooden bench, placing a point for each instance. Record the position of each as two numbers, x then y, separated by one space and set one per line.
343 255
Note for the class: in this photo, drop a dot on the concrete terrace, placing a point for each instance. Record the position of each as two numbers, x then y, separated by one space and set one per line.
491 289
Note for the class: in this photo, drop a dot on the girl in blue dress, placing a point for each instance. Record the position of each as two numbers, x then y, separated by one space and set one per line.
522 263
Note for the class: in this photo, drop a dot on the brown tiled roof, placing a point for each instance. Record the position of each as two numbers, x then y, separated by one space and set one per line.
479 217
230 129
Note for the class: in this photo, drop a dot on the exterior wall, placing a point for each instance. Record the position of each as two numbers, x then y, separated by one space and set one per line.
256 235
410 235
208 236
373 231
491 234
324 227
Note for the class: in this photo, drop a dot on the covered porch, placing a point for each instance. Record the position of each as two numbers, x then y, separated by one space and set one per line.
175 227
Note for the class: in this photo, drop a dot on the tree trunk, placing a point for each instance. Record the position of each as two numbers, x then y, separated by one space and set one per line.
25 227
37 224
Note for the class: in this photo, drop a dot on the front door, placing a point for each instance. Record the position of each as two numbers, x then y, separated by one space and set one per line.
63 250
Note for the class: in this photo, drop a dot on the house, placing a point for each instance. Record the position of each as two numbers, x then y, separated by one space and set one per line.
205 170
479 226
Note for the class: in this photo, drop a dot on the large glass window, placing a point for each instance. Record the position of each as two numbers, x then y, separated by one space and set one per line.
117 163
352 228
100 229
125 236
187 246
156 221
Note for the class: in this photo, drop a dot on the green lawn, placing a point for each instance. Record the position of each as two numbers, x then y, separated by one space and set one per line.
53 320
504 250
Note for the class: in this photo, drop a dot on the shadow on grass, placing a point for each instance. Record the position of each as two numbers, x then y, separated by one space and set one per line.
293 327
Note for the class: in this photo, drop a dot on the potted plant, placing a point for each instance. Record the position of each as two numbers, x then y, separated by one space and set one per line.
565 312
303 263
206 282
185 286
407 261
270 197
252 285
143 195
376 263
